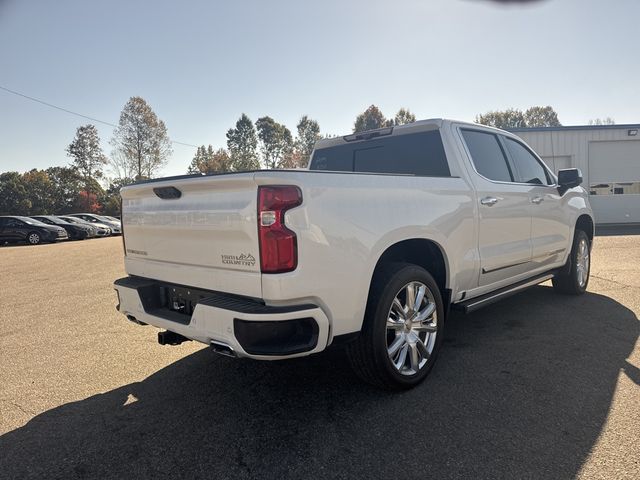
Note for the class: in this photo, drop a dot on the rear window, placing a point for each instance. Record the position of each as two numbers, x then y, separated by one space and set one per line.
487 155
411 154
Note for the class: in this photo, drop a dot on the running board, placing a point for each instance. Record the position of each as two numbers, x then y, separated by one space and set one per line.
476 303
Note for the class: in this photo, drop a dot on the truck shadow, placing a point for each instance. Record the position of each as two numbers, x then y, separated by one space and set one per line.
521 389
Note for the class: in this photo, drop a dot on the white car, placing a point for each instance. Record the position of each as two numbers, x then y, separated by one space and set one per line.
371 246
115 226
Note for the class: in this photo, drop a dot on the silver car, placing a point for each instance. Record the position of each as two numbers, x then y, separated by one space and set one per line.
101 229
115 226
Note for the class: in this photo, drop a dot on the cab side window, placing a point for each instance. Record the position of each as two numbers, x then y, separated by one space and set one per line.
12 222
487 155
527 167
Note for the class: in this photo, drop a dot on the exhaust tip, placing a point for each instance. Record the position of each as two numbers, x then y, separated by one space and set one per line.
222 349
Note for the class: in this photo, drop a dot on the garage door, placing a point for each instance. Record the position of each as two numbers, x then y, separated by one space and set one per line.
614 181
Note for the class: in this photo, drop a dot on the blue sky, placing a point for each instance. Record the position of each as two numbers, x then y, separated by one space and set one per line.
201 64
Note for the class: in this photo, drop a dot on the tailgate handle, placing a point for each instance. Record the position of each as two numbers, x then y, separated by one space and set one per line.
167 193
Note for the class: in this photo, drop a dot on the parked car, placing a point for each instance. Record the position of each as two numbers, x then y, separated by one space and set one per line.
101 230
14 229
115 226
371 247
75 231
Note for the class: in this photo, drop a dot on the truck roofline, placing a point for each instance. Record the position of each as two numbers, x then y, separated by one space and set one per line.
414 127
421 125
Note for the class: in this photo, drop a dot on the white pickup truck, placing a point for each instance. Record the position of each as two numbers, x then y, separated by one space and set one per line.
369 247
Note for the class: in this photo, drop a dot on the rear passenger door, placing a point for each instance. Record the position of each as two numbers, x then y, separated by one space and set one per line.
550 226
504 229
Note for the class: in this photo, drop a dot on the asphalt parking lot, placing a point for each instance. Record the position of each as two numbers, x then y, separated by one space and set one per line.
538 386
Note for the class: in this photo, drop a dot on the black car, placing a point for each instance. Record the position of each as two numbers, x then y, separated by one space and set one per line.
25 229
74 230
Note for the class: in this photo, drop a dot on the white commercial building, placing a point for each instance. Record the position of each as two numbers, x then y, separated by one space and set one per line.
607 155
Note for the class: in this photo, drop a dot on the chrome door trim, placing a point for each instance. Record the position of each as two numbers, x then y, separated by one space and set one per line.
484 270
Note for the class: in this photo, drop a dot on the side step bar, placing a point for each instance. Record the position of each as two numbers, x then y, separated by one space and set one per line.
476 303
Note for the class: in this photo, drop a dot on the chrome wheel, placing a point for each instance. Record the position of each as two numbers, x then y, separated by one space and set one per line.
582 263
412 325
34 238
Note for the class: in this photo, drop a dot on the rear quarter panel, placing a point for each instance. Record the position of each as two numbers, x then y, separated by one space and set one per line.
347 221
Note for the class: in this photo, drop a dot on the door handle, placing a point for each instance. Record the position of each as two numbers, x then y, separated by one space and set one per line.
537 200
489 201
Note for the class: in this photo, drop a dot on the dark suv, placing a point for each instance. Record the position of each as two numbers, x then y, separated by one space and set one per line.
74 230
25 229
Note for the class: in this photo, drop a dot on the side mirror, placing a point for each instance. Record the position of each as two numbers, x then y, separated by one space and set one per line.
569 178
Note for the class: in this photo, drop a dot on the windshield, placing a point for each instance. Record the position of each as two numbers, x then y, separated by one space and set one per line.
56 220
31 221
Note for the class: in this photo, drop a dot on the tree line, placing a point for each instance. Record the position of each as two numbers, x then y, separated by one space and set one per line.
266 143
56 190
141 148
269 144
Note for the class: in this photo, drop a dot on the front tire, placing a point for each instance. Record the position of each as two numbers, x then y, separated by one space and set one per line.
403 328
34 238
574 277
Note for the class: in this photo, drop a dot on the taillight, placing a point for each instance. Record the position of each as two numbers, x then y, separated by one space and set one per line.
278 244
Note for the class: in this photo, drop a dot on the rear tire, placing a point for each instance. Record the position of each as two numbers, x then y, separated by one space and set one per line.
34 238
403 328
574 277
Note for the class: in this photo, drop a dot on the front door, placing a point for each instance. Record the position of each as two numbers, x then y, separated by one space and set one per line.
550 228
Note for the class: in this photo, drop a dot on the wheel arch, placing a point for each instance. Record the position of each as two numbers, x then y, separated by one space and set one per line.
585 223
423 252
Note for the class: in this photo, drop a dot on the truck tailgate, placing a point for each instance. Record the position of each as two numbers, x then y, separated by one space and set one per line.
196 231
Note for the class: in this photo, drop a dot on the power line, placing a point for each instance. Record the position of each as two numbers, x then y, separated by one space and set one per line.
75 113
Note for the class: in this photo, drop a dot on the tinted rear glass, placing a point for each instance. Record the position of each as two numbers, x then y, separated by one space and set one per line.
411 154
